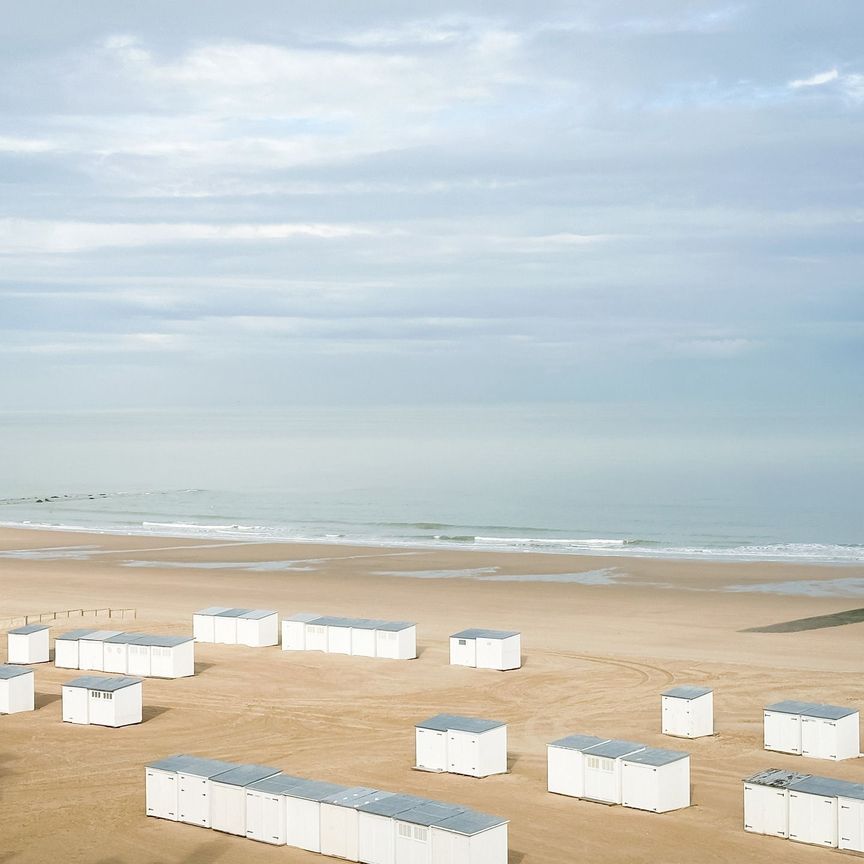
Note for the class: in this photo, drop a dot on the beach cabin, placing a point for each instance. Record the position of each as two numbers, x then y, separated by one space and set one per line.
687 711
396 640
656 780
602 765
266 812
565 766
258 628
204 623
195 777
461 745
486 649
162 787
813 730
317 634
96 701
303 813
27 645
225 626
413 830
115 653
91 649
850 817
766 801
813 811
228 797
338 634
66 653
470 838
161 656
294 630
363 638
17 689
340 821
376 843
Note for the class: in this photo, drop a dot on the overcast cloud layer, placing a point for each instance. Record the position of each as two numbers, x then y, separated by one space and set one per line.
271 202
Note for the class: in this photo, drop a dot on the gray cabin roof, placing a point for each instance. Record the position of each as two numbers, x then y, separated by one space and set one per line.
7 671
170 763
197 766
100 635
811 709
656 756
578 742
777 778
243 775
395 626
446 722
355 797
430 813
232 613
163 641
314 790
392 804
28 629
258 614
828 787
305 617
123 638
687 691
107 685
470 822
480 633
275 785
614 749
73 635
331 621
367 623
212 610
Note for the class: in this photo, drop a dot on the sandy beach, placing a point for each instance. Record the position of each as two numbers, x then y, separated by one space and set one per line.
602 637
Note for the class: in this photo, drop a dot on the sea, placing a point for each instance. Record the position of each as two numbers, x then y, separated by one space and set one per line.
605 479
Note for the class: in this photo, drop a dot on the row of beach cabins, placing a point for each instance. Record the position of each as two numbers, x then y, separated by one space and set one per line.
796 806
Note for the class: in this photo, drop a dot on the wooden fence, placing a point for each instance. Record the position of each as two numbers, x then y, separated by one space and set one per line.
44 617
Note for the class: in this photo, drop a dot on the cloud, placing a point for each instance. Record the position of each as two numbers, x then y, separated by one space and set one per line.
816 80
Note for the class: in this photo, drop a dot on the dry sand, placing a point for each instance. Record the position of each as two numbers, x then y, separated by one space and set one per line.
596 659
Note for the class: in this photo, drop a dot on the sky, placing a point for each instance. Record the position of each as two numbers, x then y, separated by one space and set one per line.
283 203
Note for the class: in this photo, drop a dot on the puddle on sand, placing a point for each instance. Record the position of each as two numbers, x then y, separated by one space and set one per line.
852 586
53 553
253 566
607 576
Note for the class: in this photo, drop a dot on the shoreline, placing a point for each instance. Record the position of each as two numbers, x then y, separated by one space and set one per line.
605 549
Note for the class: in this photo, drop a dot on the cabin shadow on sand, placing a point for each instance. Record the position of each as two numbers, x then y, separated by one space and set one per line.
818 622
149 712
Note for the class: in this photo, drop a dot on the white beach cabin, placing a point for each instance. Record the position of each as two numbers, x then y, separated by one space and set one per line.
115 653
461 745
813 811
91 649
850 817
303 813
396 640
228 797
376 842
195 777
294 630
338 633
17 689
813 730
316 634
162 787
766 801
225 626
66 652
27 644
161 656
413 830
363 637
266 810
204 623
565 764
486 649
258 628
340 821
470 838
102 701
687 711
656 780
602 765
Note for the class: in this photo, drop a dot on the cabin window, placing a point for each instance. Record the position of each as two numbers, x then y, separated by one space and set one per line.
599 763
405 830
420 833
463 641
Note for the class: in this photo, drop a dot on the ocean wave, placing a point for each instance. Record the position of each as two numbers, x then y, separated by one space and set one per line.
598 546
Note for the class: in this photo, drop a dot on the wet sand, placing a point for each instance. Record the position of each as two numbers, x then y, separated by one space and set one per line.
598 651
